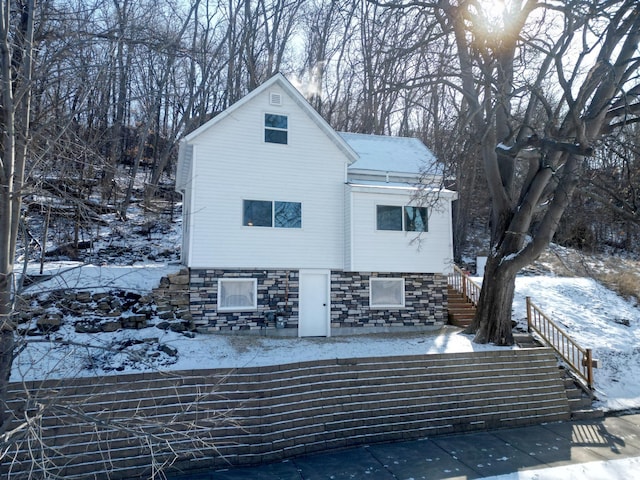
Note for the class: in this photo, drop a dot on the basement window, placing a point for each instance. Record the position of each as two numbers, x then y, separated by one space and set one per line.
386 292
237 294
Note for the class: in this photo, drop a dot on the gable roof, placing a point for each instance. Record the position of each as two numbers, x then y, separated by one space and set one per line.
297 97
391 154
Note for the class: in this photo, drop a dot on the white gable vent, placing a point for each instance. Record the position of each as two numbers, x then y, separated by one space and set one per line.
275 98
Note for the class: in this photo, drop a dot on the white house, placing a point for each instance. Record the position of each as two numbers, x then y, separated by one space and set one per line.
291 226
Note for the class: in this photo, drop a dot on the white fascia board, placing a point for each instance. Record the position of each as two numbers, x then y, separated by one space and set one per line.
179 183
192 201
386 189
181 178
402 190
407 177
451 194
317 118
384 173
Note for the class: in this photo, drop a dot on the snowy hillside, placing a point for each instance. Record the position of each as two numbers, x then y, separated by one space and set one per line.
594 316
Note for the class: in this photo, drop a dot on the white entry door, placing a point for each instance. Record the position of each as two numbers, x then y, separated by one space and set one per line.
314 302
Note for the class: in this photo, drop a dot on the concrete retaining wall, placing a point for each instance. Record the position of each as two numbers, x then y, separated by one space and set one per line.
133 426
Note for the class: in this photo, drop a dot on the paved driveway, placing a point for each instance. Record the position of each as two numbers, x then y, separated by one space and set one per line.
474 455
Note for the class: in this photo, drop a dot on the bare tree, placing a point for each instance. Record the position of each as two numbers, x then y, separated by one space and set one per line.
165 49
533 162
320 21
16 50
540 84
608 191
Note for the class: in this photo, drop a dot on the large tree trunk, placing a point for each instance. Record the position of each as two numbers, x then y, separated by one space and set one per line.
492 323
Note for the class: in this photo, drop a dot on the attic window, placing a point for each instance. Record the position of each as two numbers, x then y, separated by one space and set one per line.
275 128
275 99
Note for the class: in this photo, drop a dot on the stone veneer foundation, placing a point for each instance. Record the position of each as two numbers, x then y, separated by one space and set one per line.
425 302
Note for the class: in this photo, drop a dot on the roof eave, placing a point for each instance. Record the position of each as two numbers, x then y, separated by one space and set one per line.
280 80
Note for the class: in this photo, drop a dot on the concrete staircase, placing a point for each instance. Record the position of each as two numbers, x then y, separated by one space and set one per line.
461 310
129 426
580 398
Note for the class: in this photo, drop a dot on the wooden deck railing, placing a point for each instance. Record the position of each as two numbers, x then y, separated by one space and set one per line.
579 359
461 281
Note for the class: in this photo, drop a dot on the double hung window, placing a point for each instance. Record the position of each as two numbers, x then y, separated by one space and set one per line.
275 128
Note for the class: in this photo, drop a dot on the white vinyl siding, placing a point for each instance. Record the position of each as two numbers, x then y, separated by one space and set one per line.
183 170
348 235
375 250
231 162
234 164
183 185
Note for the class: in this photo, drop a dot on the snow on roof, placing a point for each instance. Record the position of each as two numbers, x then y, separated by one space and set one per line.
391 154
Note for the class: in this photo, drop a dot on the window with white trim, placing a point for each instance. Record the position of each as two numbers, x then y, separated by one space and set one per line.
237 294
407 218
265 213
386 292
276 128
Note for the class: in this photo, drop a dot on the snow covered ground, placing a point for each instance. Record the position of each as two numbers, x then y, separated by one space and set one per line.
594 316
626 468
66 353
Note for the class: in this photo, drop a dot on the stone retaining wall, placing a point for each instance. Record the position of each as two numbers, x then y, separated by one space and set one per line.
134 426
172 296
